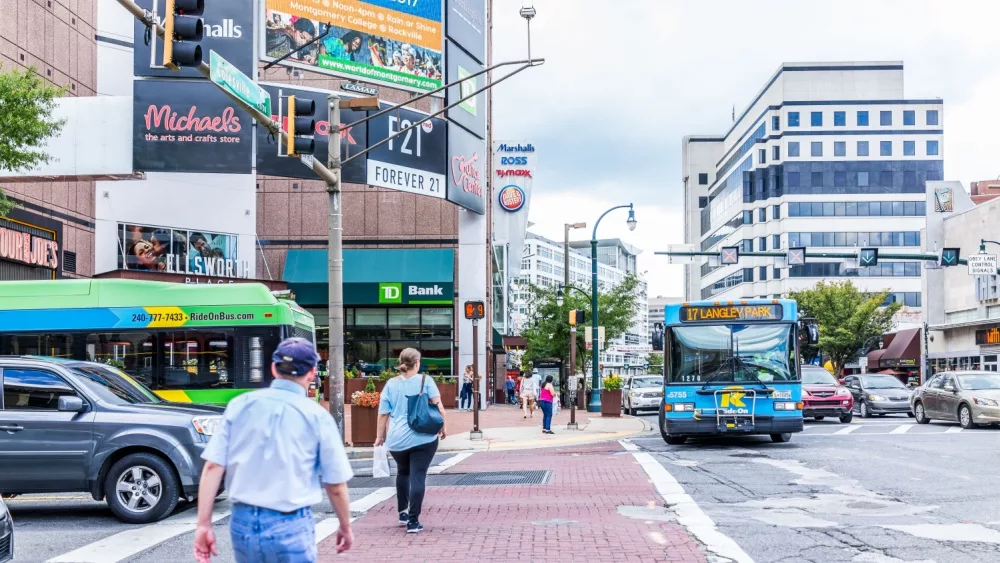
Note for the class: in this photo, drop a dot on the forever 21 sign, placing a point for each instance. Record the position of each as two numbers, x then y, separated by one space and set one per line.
412 162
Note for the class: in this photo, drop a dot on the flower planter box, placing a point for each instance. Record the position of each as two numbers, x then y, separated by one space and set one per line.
364 426
358 384
611 403
449 394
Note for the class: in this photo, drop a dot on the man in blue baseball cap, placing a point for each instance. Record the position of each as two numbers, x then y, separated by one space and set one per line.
277 450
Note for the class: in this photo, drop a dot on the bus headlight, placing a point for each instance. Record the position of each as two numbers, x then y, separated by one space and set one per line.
786 406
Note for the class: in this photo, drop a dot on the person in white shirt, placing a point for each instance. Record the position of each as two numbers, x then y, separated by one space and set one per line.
529 392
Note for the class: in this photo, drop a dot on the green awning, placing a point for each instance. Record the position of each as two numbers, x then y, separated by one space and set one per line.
428 270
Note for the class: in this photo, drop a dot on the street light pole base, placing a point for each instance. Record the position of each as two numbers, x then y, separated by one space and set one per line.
476 435
572 426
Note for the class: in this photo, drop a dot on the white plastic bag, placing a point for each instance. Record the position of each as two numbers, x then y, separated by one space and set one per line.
380 462
556 407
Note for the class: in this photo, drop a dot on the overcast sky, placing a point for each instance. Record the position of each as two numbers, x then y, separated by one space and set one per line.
624 80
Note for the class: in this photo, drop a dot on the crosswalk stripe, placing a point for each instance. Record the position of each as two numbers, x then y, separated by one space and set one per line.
849 429
954 430
130 542
901 429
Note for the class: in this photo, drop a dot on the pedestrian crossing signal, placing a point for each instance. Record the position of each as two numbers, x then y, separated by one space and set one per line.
475 310
577 317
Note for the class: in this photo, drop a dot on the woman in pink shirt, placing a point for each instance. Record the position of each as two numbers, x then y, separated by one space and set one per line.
545 401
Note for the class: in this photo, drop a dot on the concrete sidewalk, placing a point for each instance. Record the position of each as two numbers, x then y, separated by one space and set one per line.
505 428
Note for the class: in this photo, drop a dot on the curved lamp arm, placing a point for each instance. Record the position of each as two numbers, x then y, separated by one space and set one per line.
594 236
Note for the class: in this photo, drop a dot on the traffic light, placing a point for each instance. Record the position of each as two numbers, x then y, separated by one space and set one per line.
577 317
182 30
868 257
301 126
949 256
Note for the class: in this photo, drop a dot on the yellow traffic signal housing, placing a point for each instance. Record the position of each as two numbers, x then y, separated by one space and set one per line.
182 30
301 127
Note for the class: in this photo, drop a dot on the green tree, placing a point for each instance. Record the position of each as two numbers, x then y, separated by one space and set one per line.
26 104
548 331
655 363
846 318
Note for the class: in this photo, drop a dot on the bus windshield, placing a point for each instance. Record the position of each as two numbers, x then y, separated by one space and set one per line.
732 353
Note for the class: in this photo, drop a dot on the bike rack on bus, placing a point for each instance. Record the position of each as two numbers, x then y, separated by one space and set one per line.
748 394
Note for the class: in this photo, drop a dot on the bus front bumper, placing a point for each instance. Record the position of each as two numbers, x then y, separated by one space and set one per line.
709 427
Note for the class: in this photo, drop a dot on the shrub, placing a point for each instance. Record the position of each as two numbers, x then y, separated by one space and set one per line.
612 383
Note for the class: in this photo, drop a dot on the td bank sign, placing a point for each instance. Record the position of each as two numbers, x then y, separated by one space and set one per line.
400 293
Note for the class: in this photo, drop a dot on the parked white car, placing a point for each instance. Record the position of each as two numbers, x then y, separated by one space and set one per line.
642 392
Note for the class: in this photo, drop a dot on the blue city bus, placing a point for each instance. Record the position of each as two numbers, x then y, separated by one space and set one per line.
732 368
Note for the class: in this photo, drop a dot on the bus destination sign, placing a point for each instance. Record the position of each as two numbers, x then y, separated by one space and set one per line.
716 313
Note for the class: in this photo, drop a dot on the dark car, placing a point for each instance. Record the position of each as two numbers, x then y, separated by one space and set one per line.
878 394
75 426
6 534
823 396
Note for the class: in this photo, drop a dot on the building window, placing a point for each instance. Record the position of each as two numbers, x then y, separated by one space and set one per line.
909 179
776 273
839 148
747 275
816 180
793 179
775 122
702 202
748 217
863 179
775 212
775 242
839 179
793 119
909 148
862 119
909 117
816 119
763 273
746 245
816 148
862 148
932 117
839 118
885 118
793 149
762 244
776 152
885 179
932 148
702 179
761 156
761 215
885 148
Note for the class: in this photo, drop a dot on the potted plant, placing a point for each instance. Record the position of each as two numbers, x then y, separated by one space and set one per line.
384 376
364 416
353 382
611 396
449 390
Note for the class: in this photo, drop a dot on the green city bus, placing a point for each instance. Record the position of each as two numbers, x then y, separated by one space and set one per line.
189 343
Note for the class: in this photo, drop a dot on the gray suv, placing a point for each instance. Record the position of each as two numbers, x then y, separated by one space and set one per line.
71 426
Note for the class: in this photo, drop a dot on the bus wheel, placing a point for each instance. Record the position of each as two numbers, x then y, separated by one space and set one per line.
781 437
675 440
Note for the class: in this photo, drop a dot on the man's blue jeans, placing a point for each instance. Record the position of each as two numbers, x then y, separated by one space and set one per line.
262 535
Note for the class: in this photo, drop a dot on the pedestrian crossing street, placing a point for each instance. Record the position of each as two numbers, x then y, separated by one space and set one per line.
895 426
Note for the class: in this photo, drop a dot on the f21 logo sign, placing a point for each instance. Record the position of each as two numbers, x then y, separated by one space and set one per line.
412 161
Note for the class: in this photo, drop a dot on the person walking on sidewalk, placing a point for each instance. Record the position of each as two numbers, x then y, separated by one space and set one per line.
276 448
412 450
509 386
529 392
545 399
466 396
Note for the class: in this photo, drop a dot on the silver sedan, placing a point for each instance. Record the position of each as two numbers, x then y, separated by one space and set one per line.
970 398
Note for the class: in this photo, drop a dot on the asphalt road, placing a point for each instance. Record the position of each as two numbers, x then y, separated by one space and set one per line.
882 490
73 527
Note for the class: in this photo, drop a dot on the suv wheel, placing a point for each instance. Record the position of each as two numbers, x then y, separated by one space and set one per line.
141 488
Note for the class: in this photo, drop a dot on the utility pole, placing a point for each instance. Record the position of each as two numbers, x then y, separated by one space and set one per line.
572 377
335 267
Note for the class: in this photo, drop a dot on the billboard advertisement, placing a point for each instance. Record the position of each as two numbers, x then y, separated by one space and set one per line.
471 113
352 140
188 126
514 167
466 170
228 31
465 24
413 162
179 251
390 42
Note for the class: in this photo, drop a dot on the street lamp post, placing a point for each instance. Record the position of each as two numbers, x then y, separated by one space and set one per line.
571 371
595 393
572 357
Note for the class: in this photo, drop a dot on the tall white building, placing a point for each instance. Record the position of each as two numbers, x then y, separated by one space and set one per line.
542 264
828 156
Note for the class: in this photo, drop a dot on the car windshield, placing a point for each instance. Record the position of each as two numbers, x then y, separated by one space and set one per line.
114 386
817 376
979 381
647 382
882 382
722 353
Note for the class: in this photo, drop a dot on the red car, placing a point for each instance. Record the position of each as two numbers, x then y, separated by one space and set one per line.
823 396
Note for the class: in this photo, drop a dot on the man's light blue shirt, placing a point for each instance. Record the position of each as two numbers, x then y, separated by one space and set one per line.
278 447
393 402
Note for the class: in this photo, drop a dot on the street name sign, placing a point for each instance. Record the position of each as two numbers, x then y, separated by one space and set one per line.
232 80
982 264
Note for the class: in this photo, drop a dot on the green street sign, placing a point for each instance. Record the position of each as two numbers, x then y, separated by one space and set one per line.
230 79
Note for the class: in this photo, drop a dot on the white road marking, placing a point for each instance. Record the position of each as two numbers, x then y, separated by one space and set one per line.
849 429
449 463
954 430
901 429
689 514
950 532
325 528
130 542
628 445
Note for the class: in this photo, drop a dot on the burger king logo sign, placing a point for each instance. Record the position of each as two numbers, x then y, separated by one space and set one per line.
512 198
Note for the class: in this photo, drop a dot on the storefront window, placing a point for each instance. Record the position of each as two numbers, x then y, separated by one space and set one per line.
378 335
370 323
404 323
436 357
437 322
